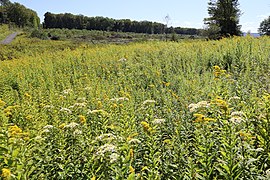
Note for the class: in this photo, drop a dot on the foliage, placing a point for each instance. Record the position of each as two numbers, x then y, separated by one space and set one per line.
154 110
19 15
4 32
21 47
97 37
265 27
225 15
71 21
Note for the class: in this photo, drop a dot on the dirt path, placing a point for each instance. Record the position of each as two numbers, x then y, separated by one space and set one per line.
9 38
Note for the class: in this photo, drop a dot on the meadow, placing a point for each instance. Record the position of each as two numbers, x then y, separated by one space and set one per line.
149 110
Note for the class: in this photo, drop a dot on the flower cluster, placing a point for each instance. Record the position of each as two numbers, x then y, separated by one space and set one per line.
2 103
237 117
146 102
202 104
16 132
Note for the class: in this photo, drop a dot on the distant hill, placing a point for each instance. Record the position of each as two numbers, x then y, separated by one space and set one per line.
252 34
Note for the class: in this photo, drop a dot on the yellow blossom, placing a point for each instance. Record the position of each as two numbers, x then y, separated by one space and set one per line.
217 68
93 178
29 117
131 169
62 125
99 105
144 168
131 153
27 95
14 130
114 105
6 173
82 119
166 83
2 103
146 126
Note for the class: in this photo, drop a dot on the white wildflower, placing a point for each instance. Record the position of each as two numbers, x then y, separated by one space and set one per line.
158 121
113 157
102 150
119 99
48 127
97 111
77 132
71 125
46 131
236 119
193 107
108 136
49 107
88 88
237 113
134 141
67 91
81 100
66 110
234 98
149 102
122 60
39 138
202 104
79 105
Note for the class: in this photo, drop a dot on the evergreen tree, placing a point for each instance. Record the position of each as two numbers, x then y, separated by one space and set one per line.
265 27
225 15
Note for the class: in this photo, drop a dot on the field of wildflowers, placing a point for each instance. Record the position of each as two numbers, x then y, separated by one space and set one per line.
154 110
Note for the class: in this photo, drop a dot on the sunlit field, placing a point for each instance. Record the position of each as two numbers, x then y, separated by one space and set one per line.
153 110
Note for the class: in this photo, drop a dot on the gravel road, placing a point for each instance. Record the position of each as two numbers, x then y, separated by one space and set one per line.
9 38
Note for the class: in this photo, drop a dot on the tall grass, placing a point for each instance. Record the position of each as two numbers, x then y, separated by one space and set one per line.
159 110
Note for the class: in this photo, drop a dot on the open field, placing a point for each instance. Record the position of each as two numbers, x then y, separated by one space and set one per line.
152 110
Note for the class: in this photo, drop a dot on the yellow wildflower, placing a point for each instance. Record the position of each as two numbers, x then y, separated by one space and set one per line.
99 105
199 117
216 68
2 103
93 178
29 117
131 169
166 83
131 153
6 173
144 168
209 119
114 105
146 126
27 95
62 125
14 130
82 119
221 103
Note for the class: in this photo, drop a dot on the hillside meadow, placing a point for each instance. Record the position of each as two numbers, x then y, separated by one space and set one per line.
149 110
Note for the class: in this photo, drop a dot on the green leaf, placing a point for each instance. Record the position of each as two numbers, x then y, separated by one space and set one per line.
131 176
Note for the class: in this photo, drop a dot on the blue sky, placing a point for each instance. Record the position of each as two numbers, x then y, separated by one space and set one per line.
182 13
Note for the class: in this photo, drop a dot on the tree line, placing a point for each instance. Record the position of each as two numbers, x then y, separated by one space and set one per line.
71 21
15 13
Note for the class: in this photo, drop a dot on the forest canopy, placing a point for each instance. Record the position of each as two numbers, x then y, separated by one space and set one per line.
18 14
71 21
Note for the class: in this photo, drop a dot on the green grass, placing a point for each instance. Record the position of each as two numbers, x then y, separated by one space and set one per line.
153 110
4 32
